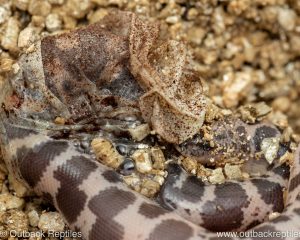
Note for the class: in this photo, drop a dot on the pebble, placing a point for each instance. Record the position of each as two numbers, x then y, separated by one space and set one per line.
53 22
16 220
38 21
251 113
279 119
78 9
10 38
34 218
133 181
281 104
21 4
287 18
235 88
159 179
190 165
57 2
158 158
139 132
142 160
6 64
196 35
69 22
4 13
270 147
173 19
39 7
51 221
217 176
9 201
60 121
28 36
149 188
233 171
192 14
97 15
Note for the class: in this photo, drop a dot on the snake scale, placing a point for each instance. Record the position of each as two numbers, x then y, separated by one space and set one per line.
121 71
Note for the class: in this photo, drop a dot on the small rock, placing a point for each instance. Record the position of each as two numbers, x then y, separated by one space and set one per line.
196 35
21 4
9 201
287 134
233 171
4 13
192 14
98 15
57 2
254 111
6 64
203 173
236 87
38 21
173 19
149 188
140 132
28 36
269 147
159 179
190 165
287 18
158 158
295 43
69 22
34 218
10 37
39 7
142 160
51 221
60 121
282 104
279 119
217 176
78 9
133 181
17 221
53 22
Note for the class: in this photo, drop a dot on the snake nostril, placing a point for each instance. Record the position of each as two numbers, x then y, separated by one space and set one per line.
127 167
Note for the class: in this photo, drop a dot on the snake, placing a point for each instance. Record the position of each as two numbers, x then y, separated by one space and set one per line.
117 73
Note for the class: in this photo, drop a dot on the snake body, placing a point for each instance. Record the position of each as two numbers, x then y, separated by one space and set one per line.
101 74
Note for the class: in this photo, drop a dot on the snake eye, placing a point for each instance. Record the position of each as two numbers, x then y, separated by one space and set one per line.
127 167
122 149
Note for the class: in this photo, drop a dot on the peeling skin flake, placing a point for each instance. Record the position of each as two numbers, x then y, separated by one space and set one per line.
174 103
106 153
